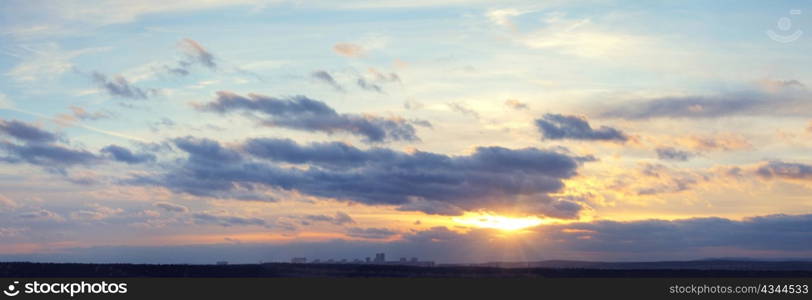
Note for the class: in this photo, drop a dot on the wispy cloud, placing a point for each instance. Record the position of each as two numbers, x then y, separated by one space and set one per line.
323 76
118 86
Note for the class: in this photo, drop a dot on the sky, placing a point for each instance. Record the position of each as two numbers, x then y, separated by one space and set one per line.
449 130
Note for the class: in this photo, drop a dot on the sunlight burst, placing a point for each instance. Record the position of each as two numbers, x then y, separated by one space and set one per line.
498 222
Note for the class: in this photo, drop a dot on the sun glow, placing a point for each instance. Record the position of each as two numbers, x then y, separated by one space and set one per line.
498 222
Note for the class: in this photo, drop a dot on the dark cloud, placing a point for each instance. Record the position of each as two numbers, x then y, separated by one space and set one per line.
82 180
432 207
784 83
303 113
119 86
171 207
325 77
340 218
558 208
82 114
122 154
203 149
490 178
671 153
369 86
25 132
785 170
370 233
557 127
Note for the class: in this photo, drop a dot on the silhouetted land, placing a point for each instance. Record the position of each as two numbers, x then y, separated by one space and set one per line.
708 268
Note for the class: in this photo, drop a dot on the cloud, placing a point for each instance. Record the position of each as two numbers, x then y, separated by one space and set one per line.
349 50
370 233
46 155
163 123
516 104
412 104
340 218
773 85
122 154
206 150
41 215
38 147
491 178
325 77
329 154
463 109
502 17
194 54
580 37
9 232
382 77
781 102
688 235
96 213
785 170
171 207
557 127
6 203
119 86
765 237
558 208
369 86
82 114
227 220
717 142
374 84
655 179
302 113
671 153
197 53
25 132
46 61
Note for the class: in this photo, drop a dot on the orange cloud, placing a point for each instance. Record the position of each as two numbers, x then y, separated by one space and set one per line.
349 50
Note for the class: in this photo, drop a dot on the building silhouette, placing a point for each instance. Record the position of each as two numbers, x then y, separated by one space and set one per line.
299 260
380 259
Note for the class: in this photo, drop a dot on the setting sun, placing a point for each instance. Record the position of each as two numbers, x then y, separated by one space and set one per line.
498 222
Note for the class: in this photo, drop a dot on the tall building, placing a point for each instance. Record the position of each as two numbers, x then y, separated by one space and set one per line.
380 258
299 260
